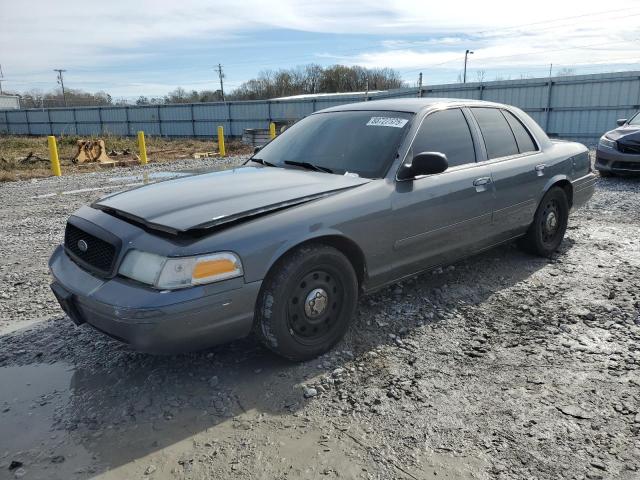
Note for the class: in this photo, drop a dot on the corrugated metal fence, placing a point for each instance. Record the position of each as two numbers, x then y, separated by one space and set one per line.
579 108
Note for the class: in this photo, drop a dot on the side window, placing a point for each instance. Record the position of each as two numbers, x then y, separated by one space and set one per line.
446 131
497 134
523 137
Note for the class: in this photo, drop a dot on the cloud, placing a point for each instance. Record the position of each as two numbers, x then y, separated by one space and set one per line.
121 45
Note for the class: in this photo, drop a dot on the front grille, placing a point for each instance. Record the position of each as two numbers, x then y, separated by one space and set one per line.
98 254
633 149
626 166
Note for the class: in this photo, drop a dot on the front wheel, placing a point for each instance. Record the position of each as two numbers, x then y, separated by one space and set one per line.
549 224
307 302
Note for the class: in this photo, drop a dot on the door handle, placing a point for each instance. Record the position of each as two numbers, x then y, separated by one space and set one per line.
540 169
481 181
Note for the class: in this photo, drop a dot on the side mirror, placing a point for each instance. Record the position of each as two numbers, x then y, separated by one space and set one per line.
621 121
257 149
425 163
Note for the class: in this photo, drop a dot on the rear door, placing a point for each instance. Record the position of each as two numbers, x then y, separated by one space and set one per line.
516 169
438 218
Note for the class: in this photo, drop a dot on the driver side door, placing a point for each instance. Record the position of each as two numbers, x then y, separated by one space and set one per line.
442 217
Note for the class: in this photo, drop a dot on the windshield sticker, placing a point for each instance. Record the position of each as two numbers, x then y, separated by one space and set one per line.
387 122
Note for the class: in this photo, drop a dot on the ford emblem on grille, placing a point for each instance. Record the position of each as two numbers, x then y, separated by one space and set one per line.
82 246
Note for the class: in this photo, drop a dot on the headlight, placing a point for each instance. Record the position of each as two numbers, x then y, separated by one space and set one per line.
606 142
172 273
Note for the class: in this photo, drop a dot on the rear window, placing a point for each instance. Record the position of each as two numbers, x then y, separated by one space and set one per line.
497 134
523 137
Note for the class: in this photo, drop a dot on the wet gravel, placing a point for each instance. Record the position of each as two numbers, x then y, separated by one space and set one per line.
503 366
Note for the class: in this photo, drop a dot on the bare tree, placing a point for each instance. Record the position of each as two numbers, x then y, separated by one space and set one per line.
480 74
316 79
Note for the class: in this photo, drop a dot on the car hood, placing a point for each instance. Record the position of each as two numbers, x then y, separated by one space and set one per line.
212 199
626 135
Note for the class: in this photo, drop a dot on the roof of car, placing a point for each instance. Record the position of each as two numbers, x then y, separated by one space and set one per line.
412 105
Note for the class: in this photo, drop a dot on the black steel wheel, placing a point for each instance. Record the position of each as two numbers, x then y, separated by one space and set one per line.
306 302
549 225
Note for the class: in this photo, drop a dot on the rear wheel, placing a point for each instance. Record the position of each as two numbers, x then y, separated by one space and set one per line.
307 302
549 225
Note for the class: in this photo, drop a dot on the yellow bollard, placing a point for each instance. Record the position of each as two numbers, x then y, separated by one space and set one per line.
272 130
221 148
53 154
142 147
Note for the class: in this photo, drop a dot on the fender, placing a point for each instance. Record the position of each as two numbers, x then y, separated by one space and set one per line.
323 232
559 178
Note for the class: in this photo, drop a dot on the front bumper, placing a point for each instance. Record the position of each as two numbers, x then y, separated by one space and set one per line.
614 161
150 320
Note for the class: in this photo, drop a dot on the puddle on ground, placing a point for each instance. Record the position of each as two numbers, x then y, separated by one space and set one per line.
33 399
29 397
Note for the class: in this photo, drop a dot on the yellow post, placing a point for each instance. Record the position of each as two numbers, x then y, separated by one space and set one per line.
221 148
272 130
142 147
53 154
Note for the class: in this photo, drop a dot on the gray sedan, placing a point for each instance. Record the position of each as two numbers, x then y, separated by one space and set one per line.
346 201
619 150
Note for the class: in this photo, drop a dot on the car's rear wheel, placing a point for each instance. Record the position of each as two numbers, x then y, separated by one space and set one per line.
307 302
549 225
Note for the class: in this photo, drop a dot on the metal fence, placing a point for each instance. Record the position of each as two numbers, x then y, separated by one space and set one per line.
579 107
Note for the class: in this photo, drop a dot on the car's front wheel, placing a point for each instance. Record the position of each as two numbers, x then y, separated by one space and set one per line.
306 302
549 224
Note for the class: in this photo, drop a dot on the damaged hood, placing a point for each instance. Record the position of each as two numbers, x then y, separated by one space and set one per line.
212 199
627 135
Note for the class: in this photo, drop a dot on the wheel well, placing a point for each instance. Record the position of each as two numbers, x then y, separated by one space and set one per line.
347 247
568 190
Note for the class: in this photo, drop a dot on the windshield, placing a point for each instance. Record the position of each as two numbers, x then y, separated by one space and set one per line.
361 142
635 120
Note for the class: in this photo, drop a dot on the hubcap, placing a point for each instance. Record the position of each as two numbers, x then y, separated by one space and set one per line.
316 303
550 222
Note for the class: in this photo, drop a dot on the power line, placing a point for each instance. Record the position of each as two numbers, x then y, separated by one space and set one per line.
480 32
457 57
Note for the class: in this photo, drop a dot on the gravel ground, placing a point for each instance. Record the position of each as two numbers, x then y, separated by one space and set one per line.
502 366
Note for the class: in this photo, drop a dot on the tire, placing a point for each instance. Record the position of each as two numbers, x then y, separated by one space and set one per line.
306 303
605 173
549 225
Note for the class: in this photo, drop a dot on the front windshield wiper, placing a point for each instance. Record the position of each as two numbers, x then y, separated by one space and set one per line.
262 162
309 166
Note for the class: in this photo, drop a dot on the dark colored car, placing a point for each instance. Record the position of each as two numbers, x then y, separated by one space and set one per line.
344 202
619 150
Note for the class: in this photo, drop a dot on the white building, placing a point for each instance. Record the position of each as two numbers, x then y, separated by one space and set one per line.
9 102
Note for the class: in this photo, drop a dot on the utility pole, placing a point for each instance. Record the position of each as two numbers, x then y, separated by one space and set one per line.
221 76
466 54
61 82
1 77
420 85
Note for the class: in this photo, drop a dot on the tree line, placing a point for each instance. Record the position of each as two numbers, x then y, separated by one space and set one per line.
307 79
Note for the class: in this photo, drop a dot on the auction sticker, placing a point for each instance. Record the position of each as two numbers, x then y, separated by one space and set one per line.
387 122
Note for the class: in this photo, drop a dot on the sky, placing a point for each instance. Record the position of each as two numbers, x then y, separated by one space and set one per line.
149 47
